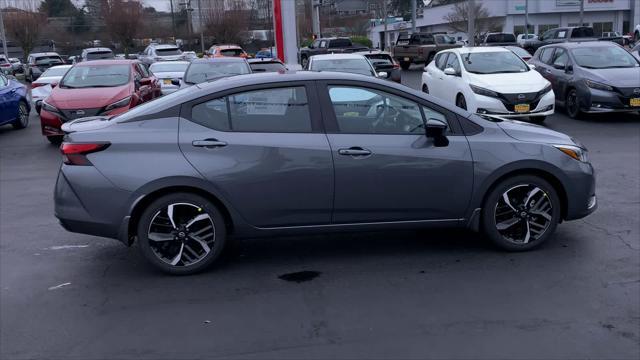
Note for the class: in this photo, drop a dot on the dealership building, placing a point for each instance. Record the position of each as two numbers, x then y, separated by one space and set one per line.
509 16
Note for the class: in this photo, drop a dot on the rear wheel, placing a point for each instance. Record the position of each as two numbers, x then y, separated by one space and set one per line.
181 233
571 104
55 139
461 102
521 213
23 116
404 65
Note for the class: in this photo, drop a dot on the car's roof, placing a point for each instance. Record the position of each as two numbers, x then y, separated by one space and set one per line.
60 67
107 62
44 54
264 60
337 56
164 46
171 62
227 46
220 59
97 49
479 49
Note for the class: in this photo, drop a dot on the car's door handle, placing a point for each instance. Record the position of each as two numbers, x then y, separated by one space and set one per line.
208 143
354 151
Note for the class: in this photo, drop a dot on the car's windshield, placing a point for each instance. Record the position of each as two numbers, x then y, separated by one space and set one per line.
203 71
519 51
267 67
168 51
96 76
600 57
49 60
55 71
168 67
97 55
493 62
354 66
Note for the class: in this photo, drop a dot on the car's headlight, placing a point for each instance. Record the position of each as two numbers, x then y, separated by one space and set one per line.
575 152
50 108
118 104
482 91
598 86
545 90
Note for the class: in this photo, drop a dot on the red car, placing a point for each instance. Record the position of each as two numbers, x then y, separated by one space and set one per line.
96 88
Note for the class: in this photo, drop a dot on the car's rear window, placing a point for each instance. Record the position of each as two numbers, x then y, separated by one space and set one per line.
339 43
267 67
231 52
168 51
96 55
583 32
49 60
500 38
204 71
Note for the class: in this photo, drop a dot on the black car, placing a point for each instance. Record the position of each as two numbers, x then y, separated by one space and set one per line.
591 77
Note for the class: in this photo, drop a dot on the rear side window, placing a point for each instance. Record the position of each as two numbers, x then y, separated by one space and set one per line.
452 62
280 110
545 55
441 60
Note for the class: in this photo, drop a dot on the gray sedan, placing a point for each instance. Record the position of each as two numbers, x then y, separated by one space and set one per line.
272 154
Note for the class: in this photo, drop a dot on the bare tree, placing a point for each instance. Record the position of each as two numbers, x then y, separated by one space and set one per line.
458 19
123 19
23 23
226 20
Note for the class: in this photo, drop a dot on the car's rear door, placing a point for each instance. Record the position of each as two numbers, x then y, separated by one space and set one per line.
263 148
386 169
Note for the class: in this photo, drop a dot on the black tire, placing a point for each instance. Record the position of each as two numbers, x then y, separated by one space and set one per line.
495 206
572 104
404 65
537 119
23 116
55 139
304 61
461 102
425 88
186 249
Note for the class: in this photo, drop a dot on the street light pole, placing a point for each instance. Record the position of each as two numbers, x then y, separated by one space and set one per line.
386 14
4 37
173 20
200 25
581 12
526 19
413 16
471 15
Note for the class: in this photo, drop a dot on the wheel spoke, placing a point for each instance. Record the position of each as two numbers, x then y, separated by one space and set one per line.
170 214
203 230
507 223
528 235
531 193
179 256
202 243
198 218
154 236
543 214
505 197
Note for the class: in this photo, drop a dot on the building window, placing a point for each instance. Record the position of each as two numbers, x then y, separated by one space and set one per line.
543 28
576 24
599 28
625 27
519 29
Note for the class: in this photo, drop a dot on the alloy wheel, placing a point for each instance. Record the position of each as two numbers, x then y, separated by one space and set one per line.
182 234
23 116
572 104
523 213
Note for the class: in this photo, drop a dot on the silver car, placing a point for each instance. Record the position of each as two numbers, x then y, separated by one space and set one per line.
155 52
166 72
304 153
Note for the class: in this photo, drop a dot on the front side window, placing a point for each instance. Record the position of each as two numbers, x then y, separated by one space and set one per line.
545 55
368 111
96 76
560 58
3 81
441 60
452 62
280 110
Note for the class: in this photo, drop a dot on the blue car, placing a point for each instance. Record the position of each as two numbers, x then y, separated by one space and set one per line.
14 106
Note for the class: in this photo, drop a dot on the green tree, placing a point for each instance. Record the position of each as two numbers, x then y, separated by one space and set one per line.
58 8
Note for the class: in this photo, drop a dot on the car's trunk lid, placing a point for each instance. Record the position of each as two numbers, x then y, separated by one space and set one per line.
87 124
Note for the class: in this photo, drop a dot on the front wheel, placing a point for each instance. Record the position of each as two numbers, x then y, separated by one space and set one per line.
23 116
572 104
181 233
521 213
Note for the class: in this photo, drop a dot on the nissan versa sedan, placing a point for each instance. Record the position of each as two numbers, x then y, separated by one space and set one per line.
308 152
489 80
591 77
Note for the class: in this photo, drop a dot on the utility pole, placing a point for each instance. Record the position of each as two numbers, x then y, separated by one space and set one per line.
471 32
526 20
200 24
384 18
413 16
581 12
315 17
188 9
4 37
173 20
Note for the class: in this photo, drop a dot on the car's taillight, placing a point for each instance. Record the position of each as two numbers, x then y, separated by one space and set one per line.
76 153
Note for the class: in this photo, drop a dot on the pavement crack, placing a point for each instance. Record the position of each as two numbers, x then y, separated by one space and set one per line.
613 234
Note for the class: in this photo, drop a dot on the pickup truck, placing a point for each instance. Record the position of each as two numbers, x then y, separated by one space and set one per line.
327 46
499 39
567 34
421 48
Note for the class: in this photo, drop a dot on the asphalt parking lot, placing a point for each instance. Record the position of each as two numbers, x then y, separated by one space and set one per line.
409 294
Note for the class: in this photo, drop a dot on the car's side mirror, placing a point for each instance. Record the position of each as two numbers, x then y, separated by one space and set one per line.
568 69
175 82
436 130
450 71
383 74
532 67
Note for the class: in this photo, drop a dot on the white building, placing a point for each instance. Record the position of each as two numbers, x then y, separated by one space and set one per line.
603 15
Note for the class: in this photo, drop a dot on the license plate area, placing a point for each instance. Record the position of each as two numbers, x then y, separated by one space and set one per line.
167 81
521 108
634 102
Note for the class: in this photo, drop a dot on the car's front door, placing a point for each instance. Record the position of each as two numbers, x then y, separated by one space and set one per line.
5 100
386 169
264 150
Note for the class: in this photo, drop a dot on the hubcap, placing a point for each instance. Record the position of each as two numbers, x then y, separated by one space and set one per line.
24 117
523 214
181 234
